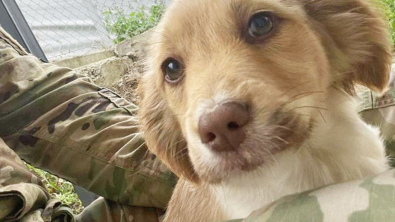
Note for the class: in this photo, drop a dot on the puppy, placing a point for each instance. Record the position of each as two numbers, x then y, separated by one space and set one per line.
250 100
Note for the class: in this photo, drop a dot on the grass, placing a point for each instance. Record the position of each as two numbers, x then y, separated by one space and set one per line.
126 26
60 189
391 16
389 9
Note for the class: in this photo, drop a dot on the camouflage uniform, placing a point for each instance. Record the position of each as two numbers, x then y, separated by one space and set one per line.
368 200
60 121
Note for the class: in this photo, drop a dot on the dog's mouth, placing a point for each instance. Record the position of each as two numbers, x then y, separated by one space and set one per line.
282 131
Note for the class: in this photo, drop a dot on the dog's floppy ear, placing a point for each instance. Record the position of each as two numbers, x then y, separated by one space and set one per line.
162 132
356 38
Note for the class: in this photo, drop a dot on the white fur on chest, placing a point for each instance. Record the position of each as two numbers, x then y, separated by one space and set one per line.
341 147
240 196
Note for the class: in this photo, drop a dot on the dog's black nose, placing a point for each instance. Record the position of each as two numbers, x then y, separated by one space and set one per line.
222 128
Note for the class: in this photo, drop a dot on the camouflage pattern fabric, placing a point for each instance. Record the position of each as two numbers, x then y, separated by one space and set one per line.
60 121
367 200
17 186
379 110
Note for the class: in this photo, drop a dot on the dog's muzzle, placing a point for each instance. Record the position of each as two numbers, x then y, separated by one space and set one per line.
221 128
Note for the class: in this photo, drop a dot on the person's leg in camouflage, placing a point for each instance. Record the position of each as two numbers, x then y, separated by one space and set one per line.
60 121
379 110
21 192
24 198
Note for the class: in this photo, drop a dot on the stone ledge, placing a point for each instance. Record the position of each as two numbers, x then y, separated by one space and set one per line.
84 60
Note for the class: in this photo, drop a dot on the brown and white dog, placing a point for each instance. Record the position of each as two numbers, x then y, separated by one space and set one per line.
250 100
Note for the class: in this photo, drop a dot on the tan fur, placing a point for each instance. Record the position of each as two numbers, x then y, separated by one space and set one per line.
288 81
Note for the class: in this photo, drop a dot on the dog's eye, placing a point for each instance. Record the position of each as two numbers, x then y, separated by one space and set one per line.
260 24
172 70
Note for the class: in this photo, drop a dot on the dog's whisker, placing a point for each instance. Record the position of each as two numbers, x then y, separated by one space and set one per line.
300 85
154 43
304 114
281 127
301 95
272 137
177 152
181 151
181 154
179 141
275 145
281 139
323 118
156 31
313 107
173 147
272 156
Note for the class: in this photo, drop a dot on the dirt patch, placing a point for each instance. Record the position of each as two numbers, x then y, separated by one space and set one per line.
127 86
120 74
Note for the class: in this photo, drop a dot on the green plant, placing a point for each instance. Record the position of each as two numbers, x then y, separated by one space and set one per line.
389 8
125 26
60 189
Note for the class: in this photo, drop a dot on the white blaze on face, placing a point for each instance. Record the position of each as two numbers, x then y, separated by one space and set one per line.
197 150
